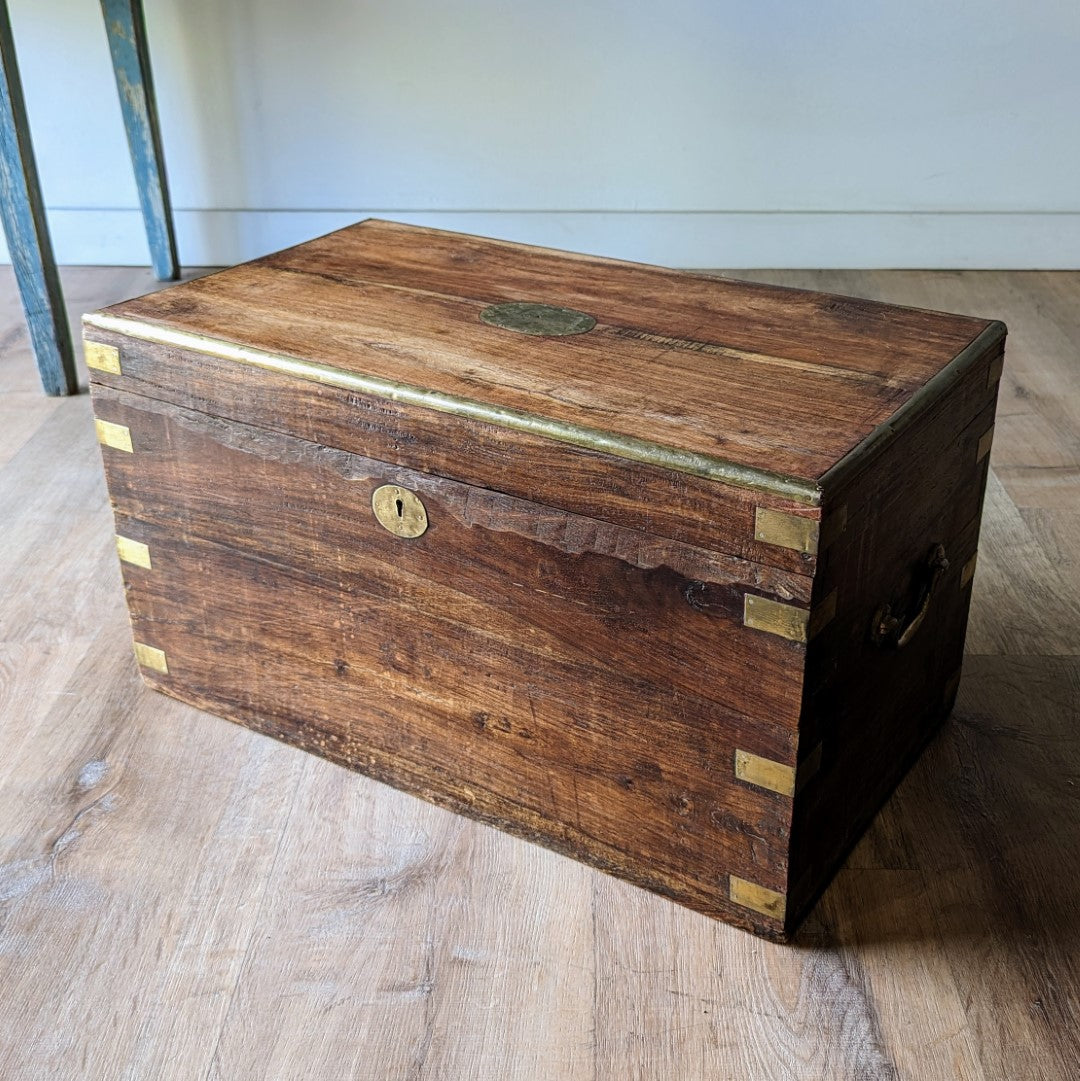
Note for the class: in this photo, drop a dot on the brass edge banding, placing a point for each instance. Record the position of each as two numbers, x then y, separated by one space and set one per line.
969 570
765 773
619 446
105 358
133 551
994 372
913 408
774 617
112 435
759 898
983 449
152 658
786 530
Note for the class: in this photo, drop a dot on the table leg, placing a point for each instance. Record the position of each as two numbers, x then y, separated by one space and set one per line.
126 30
27 232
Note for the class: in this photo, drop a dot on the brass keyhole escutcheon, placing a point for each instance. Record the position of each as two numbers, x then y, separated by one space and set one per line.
399 511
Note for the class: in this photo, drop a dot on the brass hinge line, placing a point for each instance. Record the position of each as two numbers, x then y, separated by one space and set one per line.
613 443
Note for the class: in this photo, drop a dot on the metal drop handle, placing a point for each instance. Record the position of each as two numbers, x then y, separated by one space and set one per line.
892 632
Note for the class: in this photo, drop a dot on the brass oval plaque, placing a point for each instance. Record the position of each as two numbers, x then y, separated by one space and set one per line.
399 511
540 320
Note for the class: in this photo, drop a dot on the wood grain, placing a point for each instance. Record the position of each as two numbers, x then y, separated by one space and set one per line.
176 902
584 685
712 388
661 501
650 666
870 708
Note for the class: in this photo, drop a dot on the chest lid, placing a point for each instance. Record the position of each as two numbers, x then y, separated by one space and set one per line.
751 386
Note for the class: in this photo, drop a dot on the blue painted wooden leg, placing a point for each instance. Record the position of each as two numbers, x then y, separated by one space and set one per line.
131 63
27 233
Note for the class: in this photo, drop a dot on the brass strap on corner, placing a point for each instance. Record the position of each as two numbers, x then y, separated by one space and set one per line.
760 899
102 357
117 436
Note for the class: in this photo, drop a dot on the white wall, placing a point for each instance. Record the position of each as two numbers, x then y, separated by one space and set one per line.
688 132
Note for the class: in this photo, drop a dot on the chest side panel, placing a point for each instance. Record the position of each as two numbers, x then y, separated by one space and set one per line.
871 703
588 686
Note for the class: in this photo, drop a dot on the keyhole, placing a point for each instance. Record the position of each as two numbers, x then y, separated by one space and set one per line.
399 510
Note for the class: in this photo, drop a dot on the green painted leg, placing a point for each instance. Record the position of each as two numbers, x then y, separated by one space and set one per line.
27 233
131 63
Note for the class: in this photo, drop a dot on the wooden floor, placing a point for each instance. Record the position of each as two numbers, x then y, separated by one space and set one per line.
181 898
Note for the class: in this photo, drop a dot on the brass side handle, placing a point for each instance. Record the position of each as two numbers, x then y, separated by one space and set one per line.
891 631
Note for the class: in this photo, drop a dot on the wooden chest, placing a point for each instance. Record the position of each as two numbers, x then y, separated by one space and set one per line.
666 572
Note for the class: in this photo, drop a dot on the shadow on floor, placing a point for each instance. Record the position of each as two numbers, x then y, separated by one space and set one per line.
982 839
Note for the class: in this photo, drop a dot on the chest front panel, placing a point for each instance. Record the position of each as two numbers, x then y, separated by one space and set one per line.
583 684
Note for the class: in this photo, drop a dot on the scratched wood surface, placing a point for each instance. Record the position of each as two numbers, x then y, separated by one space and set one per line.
705 367
582 685
542 671
628 493
183 898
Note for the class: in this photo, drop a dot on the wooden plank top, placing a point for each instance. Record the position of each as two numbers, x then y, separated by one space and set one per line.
760 378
